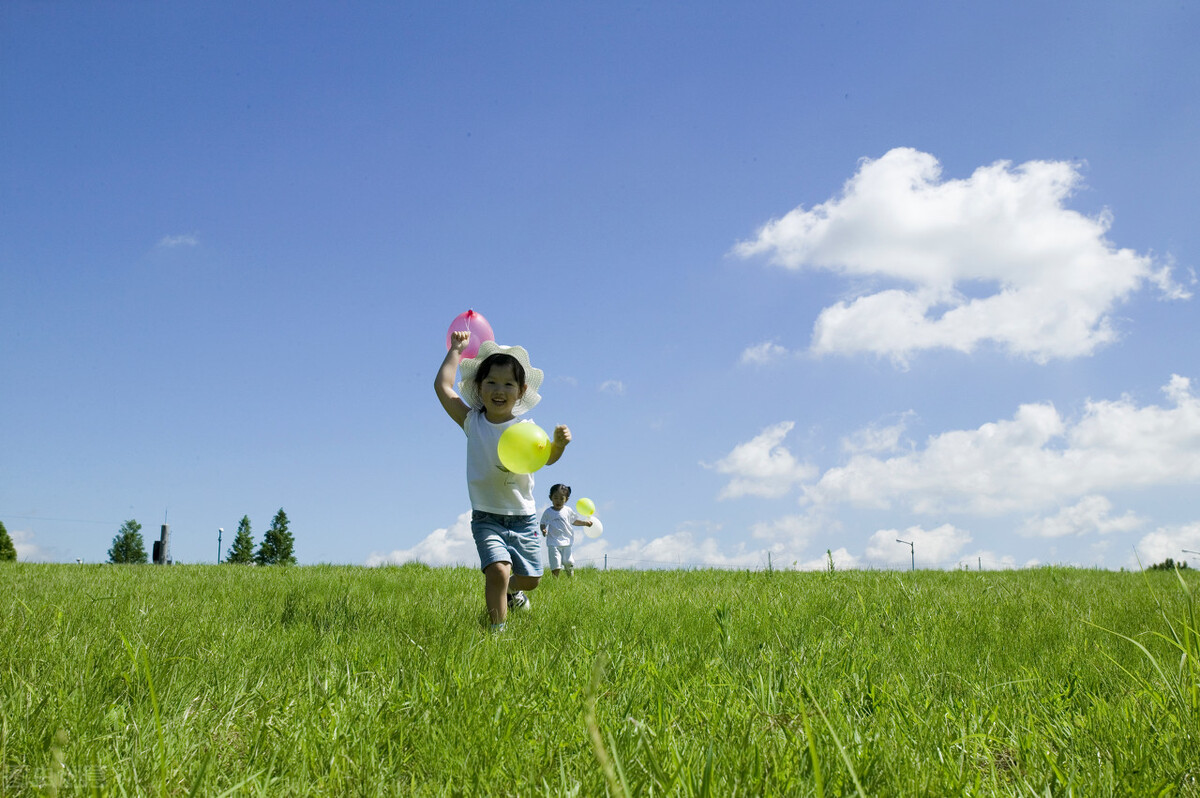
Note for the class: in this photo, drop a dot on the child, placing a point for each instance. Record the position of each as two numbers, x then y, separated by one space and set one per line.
556 528
497 385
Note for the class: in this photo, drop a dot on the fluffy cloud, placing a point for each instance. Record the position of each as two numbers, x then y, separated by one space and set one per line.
990 561
29 550
876 439
682 549
992 258
842 561
451 546
762 466
1091 514
1031 462
613 386
764 354
1170 542
931 548
791 532
687 549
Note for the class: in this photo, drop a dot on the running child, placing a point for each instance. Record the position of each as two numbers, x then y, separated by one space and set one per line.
497 385
556 527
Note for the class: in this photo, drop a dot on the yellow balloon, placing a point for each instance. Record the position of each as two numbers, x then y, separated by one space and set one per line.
524 447
585 506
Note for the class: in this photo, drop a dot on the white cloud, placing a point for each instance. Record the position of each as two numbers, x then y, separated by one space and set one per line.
764 354
28 550
876 439
931 548
613 386
1031 462
762 466
842 561
171 242
989 560
1091 514
791 532
1169 542
993 258
450 546
681 549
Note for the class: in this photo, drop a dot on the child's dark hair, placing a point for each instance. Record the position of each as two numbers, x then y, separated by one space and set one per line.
499 359
565 489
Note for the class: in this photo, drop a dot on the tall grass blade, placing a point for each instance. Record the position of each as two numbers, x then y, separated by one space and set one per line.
841 748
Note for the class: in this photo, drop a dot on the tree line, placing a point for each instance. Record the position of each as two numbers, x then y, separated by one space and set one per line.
8 552
277 546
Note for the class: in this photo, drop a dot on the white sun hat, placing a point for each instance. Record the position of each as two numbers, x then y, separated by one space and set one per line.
468 368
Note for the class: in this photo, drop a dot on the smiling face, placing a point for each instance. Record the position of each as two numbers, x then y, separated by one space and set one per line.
500 390
558 497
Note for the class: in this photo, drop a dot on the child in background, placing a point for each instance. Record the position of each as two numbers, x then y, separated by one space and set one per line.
497 385
556 527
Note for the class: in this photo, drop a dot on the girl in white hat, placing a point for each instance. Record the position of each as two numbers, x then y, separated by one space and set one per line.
497 385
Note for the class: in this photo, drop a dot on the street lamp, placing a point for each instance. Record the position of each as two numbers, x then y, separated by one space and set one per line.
911 550
220 531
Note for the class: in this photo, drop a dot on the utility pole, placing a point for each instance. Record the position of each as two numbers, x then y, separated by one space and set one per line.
911 550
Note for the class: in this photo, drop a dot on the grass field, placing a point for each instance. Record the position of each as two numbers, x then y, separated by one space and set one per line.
134 680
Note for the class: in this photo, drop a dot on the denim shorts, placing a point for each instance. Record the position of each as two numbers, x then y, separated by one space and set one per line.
508 538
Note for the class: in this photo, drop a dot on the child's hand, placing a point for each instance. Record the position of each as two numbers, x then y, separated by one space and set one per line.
562 436
458 340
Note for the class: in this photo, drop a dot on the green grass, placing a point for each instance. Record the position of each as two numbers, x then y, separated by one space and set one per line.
207 680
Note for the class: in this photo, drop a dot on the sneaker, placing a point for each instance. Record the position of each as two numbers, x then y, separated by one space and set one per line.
519 602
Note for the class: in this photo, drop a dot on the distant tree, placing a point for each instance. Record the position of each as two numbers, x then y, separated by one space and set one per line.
127 547
1168 565
8 552
277 545
242 550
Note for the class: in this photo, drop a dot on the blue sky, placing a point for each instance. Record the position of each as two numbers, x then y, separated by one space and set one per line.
802 278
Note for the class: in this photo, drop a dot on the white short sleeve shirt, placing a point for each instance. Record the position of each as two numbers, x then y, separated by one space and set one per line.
560 530
492 487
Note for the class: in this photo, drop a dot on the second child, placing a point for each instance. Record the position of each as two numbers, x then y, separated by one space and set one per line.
557 523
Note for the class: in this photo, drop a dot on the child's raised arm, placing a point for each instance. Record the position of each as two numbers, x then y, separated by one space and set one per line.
443 384
562 436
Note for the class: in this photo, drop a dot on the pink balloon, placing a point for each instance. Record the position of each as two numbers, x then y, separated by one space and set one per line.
474 323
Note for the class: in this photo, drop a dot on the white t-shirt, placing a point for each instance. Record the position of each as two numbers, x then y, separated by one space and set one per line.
559 526
492 487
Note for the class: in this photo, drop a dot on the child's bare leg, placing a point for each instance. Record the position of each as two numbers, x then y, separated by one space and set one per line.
495 590
518 582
